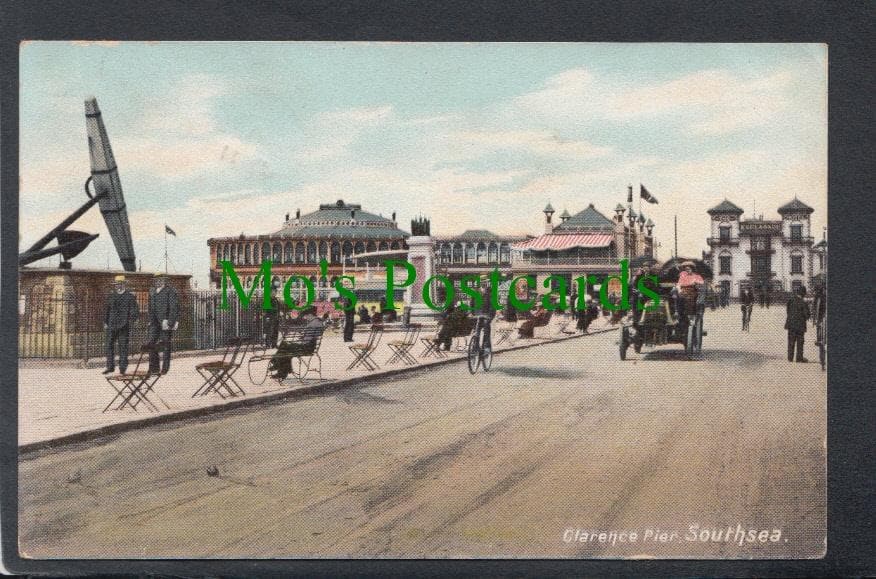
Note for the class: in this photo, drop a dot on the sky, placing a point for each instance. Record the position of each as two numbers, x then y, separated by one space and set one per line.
219 138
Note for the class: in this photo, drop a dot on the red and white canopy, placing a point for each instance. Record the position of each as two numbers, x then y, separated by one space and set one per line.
559 242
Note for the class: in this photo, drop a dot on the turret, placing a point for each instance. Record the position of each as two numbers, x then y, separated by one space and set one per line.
548 217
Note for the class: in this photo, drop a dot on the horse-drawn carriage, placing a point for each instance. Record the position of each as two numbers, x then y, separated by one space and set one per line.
678 319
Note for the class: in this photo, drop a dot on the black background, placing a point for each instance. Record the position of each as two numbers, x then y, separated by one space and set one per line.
844 26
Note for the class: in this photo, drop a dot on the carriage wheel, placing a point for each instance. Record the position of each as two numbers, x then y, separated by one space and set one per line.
698 344
474 356
624 342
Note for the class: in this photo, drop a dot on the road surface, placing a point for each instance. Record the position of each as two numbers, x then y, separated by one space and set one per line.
554 447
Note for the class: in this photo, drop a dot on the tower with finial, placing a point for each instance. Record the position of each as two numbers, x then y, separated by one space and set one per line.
548 218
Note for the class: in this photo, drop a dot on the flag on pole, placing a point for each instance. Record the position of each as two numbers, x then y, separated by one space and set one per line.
169 230
646 195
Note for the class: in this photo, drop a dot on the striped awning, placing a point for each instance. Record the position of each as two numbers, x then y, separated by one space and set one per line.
558 242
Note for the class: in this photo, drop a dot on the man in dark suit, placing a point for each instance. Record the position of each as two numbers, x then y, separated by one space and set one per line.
795 323
163 320
121 312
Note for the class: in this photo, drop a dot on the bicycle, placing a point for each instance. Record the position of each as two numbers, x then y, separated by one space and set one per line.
478 354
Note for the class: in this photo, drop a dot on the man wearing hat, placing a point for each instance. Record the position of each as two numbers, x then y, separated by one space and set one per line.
121 311
797 313
163 320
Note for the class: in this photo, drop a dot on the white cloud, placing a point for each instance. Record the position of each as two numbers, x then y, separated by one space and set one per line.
711 102
545 143
331 133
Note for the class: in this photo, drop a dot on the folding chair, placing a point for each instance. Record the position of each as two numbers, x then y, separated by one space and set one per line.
134 388
218 375
362 352
505 332
431 346
402 348
307 360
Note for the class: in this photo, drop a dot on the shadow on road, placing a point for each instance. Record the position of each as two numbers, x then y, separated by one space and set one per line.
530 372
735 357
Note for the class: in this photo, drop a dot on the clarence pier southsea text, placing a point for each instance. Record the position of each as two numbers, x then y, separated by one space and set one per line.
471 287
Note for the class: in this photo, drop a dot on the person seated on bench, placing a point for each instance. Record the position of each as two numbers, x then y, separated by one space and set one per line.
455 320
540 317
281 361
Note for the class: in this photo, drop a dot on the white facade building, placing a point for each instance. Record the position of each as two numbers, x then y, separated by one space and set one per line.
774 255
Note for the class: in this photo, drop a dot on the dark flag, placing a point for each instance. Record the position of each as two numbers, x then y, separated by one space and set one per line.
169 230
646 195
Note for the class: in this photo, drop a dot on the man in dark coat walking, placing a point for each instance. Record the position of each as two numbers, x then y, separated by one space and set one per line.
163 320
121 312
349 319
795 323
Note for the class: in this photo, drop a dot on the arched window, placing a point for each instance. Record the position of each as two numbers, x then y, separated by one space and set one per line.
359 248
266 252
470 253
288 256
299 252
445 251
277 253
347 250
383 246
493 253
247 254
457 253
481 253
225 252
505 253
323 250
335 252
370 247
311 252
394 245
234 254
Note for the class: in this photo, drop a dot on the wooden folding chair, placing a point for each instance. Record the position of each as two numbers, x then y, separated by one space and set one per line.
134 388
218 375
362 352
401 349
431 346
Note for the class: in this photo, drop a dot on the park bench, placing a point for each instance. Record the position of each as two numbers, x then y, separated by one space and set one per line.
296 354
527 328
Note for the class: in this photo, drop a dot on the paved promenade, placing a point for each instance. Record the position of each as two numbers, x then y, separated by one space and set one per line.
57 402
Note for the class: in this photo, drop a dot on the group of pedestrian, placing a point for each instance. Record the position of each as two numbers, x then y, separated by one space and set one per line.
122 311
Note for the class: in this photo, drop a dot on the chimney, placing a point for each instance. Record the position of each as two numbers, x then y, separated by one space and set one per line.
297 214
287 217
393 216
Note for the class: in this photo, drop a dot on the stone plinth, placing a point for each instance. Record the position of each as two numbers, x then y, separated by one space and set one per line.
421 254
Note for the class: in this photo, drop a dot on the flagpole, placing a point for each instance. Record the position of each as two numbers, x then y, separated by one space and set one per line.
165 250
675 227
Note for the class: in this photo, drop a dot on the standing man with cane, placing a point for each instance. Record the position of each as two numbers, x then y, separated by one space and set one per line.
163 320
121 312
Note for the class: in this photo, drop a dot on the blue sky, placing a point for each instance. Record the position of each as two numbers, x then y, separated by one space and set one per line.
219 138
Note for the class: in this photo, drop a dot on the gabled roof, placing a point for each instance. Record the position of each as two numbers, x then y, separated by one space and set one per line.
589 218
725 206
795 205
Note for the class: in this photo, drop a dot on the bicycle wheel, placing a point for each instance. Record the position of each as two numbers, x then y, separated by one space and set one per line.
487 359
474 355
